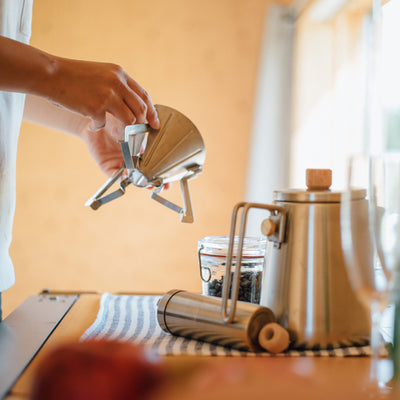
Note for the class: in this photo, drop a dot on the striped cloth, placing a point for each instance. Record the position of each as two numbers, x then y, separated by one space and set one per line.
134 319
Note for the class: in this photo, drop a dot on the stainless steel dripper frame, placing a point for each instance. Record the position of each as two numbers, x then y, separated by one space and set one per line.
155 157
305 281
224 321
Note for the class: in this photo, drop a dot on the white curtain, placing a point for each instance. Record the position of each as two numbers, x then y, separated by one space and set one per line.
270 146
317 100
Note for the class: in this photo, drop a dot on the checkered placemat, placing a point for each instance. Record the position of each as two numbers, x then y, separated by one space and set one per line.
134 319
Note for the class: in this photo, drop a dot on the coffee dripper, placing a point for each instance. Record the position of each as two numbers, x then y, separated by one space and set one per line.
155 157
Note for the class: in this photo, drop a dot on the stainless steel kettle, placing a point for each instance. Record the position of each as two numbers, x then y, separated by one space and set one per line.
305 281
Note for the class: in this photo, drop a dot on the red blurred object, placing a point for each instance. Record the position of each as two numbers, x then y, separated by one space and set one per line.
98 370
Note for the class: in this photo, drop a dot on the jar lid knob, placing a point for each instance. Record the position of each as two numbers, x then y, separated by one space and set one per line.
318 179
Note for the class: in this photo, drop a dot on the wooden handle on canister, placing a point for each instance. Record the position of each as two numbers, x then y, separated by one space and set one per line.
273 338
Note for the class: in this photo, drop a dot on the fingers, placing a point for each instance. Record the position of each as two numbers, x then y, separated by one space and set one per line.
152 118
128 113
150 111
136 105
117 108
132 105
97 125
103 88
114 128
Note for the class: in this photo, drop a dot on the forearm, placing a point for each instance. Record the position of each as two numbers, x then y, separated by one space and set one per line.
102 145
23 68
91 89
39 111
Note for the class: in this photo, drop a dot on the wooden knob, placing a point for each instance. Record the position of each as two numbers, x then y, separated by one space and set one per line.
268 227
318 179
273 338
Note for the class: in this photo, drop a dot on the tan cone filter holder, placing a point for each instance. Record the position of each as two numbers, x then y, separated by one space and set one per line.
154 157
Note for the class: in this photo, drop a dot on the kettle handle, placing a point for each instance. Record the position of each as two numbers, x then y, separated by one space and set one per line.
228 316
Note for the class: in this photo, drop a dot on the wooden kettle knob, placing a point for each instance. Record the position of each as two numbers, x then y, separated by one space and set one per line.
318 179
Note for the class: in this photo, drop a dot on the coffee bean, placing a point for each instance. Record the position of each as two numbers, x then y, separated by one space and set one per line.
249 287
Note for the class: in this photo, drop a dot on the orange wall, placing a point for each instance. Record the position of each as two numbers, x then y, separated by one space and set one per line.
200 57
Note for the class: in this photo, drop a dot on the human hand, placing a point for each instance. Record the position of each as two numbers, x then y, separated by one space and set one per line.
105 148
96 89
90 89
103 145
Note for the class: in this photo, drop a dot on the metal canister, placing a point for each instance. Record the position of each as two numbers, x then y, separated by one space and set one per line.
199 317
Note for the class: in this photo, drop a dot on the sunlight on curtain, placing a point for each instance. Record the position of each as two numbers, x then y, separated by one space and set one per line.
335 98
269 155
339 96
391 74
346 86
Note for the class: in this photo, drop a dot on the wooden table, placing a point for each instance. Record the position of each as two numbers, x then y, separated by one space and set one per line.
222 378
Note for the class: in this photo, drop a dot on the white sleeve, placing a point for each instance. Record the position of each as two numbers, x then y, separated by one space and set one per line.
42 112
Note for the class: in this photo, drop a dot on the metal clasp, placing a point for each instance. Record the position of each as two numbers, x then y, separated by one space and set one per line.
228 316
201 267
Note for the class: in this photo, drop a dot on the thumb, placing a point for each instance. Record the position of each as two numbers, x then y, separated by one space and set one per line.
96 125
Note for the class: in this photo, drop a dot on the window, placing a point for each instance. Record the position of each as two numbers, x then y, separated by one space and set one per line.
340 96
391 75
336 92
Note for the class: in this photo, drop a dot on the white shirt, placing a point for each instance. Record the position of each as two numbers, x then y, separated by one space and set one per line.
15 23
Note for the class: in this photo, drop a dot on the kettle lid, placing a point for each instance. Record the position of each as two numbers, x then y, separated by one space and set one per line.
318 182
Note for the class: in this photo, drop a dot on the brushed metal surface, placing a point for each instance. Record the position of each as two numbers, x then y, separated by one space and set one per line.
199 317
305 282
314 196
156 157
175 148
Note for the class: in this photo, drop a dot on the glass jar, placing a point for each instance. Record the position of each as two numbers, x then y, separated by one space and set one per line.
212 251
